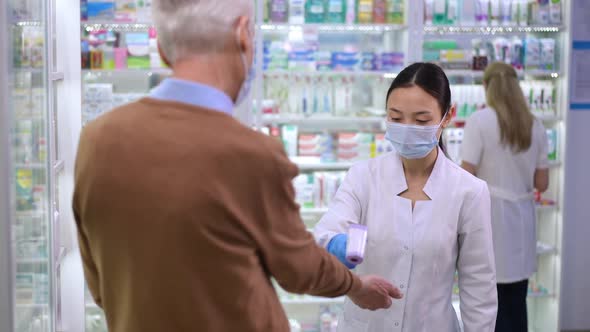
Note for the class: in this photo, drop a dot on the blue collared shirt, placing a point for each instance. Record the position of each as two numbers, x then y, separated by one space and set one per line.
193 93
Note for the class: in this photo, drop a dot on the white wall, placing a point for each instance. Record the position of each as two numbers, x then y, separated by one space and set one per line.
575 289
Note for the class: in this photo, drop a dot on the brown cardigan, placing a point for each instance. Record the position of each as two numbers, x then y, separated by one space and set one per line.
183 217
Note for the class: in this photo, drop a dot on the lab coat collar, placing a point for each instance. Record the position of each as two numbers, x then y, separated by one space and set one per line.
433 184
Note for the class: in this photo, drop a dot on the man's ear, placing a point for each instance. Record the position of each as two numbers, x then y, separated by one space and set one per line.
244 34
163 56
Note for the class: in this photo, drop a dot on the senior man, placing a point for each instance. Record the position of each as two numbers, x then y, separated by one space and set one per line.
184 215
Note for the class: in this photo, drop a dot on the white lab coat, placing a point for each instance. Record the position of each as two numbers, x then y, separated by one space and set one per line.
510 178
420 250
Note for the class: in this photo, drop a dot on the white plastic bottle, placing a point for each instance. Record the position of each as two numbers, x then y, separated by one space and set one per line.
350 12
440 12
495 12
506 12
555 12
326 319
428 11
452 15
481 11
523 18
297 11
543 12
453 146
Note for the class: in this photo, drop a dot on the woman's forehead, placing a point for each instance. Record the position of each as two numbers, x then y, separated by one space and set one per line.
412 99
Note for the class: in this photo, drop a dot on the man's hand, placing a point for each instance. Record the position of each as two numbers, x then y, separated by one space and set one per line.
375 293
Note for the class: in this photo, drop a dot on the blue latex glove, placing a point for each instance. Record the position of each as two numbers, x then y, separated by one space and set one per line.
337 247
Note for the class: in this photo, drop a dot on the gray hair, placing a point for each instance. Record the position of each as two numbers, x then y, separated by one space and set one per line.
189 27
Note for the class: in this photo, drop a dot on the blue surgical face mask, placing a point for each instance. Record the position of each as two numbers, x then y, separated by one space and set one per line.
412 141
249 78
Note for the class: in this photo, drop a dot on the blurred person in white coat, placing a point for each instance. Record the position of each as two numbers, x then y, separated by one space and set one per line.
426 217
507 147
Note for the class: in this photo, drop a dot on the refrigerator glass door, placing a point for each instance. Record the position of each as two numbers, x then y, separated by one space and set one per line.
29 165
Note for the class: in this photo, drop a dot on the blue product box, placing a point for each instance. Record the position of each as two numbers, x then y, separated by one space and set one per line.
345 60
324 60
369 61
302 55
100 10
302 60
391 61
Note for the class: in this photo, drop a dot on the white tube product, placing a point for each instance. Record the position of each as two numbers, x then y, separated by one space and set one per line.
515 8
452 8
357 240
481 11
523 18
507 12
495 12
350 12
543 15
428 11
296 11
555 12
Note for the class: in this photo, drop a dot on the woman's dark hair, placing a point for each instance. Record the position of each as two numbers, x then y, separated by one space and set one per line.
432 79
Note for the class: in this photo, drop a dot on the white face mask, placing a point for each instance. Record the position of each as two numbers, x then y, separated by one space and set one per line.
250 74
412 141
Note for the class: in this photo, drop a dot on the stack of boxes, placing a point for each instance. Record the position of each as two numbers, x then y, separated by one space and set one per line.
354 146
308 57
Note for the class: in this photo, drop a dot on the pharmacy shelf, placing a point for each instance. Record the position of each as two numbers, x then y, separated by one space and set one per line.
321 121
547 208
28 23
30 165
324 121
536 295
329 73
32 306
30 70
31 261
313 300
29 214
116 26
146 71
547 118
315 212
491 30
20 117
542 73
478 74
464 73
335 166
325 27
270 27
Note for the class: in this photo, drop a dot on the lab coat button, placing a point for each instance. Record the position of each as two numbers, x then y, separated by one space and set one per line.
396 324
406 248
401 286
